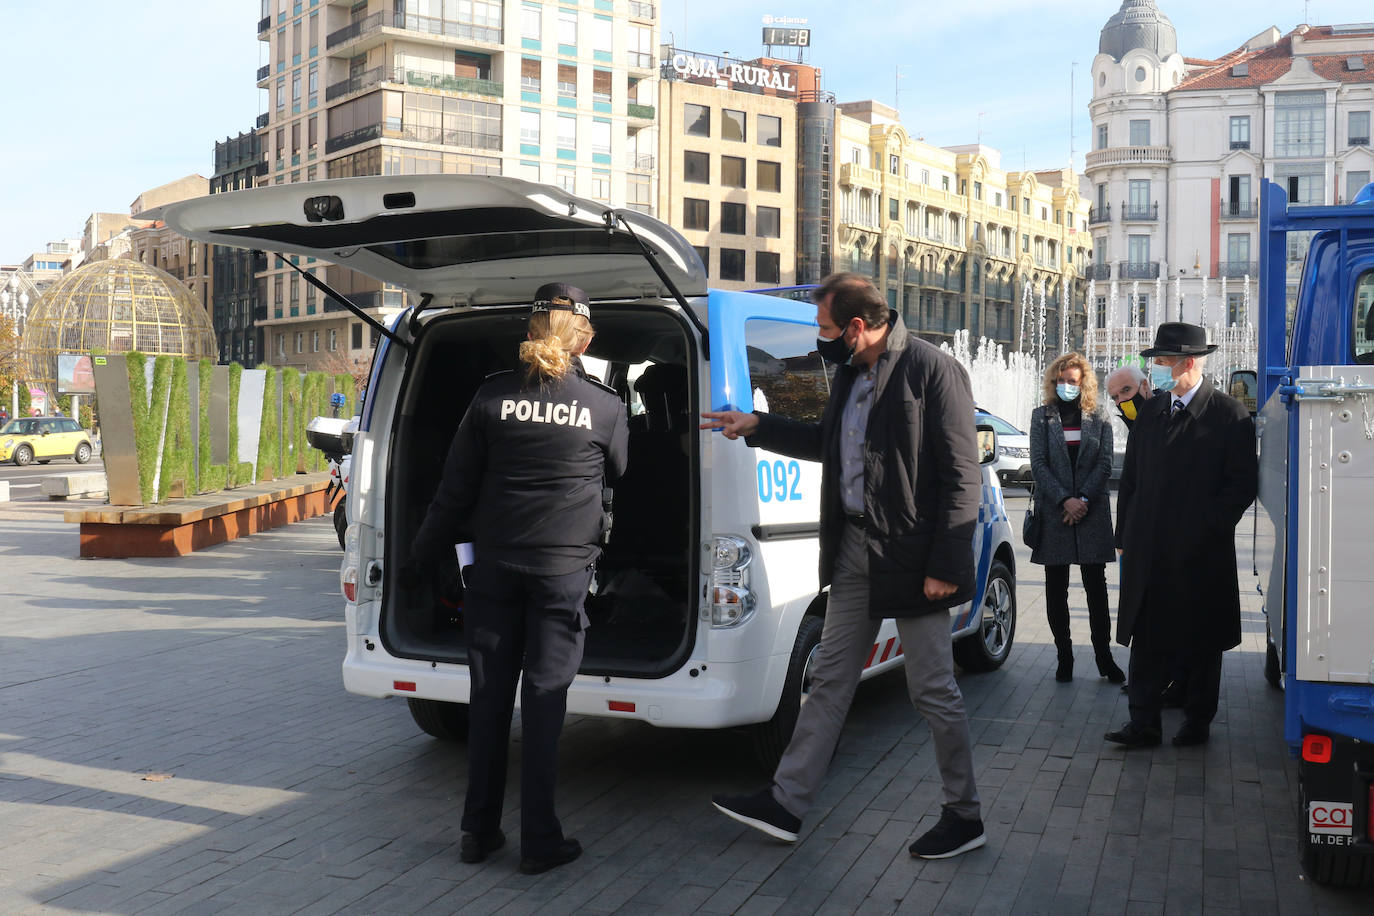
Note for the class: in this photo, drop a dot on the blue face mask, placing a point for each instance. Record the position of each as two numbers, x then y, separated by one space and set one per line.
1066 391
1161 377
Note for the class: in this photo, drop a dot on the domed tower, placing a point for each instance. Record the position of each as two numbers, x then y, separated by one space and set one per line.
1129 161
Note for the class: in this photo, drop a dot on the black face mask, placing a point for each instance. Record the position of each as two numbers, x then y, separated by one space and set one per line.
834 350
1139 402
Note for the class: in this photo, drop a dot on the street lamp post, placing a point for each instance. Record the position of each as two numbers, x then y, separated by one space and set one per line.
14 300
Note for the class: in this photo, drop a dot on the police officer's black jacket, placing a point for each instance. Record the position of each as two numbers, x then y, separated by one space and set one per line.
524 474
922 483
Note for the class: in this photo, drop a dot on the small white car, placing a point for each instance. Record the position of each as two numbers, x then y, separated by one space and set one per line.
1012 466
706 609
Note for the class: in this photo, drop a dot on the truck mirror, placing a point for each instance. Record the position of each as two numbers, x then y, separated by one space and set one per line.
1243 387
987 444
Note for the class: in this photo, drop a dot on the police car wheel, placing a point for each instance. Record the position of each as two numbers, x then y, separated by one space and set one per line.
1334 866
445 721
340 521
770 738
987 648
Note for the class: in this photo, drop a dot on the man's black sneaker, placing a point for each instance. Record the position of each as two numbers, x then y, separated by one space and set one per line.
562 854
760 811
1131 736
950 837
476 847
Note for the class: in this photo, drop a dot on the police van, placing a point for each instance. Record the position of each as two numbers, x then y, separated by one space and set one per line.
705 610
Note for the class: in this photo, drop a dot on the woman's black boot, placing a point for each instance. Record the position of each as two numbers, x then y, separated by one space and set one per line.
1064 673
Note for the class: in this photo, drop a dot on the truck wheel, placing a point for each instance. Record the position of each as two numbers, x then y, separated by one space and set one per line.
340 521
988 647
1272 674
23 455
1327 865
83 453
770 738
445 721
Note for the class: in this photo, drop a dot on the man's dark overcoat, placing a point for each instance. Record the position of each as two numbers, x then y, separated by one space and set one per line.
922 482
1186 483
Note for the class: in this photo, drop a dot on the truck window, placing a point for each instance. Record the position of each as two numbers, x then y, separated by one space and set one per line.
787 375
1363 335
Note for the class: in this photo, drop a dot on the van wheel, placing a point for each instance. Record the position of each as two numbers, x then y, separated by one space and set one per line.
83 453
445 721
1272 672
1335 867
988 647
340 521
770 738
23 455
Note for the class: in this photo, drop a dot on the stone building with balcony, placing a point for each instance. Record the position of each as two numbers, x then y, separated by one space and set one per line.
1180 145
236 302
561 94
952 239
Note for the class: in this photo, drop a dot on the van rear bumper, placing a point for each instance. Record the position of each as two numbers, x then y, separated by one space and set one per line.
697 695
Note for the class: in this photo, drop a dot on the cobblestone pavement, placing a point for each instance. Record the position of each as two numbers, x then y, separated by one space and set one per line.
174 738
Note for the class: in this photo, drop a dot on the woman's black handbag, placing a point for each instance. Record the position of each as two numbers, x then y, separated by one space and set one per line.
1030 526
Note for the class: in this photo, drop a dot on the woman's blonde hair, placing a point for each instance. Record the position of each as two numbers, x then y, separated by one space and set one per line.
1087 386
554 336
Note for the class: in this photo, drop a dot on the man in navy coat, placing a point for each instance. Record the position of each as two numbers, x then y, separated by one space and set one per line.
1190 473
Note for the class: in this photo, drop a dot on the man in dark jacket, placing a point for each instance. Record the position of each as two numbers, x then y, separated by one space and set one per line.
899 501
1176 530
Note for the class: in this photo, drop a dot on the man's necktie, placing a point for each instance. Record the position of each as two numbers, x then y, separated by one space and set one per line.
1178 409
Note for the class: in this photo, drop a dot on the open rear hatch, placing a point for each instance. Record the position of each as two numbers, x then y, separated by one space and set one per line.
460 239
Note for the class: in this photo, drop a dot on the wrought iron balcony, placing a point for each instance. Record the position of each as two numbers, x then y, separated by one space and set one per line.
1098 215
264 72
1238 269
1239 209
1240 144
1137 270
642 163
1140 213
1098 272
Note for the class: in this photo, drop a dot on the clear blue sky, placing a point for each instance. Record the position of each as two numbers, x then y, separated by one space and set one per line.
106 100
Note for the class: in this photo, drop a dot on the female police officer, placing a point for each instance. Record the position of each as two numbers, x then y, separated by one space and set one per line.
523 481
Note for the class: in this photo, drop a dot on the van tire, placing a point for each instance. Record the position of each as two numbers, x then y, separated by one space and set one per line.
1272 670
1330 867
989 646
445 721
770 738
341 520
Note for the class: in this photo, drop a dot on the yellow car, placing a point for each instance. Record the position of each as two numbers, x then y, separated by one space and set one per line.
28 439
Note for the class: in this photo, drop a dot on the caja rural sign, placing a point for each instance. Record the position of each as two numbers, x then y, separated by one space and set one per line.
736 74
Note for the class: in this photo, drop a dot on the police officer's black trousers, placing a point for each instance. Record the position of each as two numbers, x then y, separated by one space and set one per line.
520 622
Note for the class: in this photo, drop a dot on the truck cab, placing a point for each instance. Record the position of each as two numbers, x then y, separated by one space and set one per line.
1313 546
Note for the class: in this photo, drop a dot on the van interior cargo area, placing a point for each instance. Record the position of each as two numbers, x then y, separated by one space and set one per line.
642 608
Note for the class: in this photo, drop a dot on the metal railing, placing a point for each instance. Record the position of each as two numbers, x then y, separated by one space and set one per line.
1098 215
352 138
634 110
411 23
264 72
1359 141
639 61
1238 209
264 24
262 120
1140 213
422 78
641 10
1240 144
1098 272
1237 269
643 163
467 138
1137 270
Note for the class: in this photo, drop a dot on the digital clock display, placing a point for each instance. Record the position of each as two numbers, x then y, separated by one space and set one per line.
797 38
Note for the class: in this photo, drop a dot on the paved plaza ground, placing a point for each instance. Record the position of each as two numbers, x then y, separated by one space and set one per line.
174 738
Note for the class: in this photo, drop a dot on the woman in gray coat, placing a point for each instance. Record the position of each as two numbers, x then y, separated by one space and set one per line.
1071 461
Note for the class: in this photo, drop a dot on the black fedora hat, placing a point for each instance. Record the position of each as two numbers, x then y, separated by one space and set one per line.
1178 338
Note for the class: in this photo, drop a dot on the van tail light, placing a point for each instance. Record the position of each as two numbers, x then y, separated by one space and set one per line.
348 581
732 601
1316 749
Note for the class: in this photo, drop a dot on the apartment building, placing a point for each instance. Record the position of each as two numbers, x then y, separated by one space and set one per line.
236 304
559 93
951 238
1180 145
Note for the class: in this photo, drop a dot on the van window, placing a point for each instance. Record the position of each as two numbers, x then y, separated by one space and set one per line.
786 373
1363 332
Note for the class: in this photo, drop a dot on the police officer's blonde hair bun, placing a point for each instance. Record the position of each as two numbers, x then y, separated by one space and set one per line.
554 336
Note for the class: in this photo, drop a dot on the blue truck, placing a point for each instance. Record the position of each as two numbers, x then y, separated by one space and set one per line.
1315 391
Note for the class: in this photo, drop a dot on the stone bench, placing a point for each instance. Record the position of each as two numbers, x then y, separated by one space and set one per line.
181 526
79 483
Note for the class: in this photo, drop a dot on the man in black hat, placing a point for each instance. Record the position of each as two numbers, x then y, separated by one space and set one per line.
1175 530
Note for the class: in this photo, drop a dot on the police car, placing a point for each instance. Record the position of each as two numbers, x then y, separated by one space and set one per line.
705 611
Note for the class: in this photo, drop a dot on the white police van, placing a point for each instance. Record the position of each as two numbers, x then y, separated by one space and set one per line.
705 612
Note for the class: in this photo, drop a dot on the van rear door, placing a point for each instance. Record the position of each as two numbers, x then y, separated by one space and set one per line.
462 239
